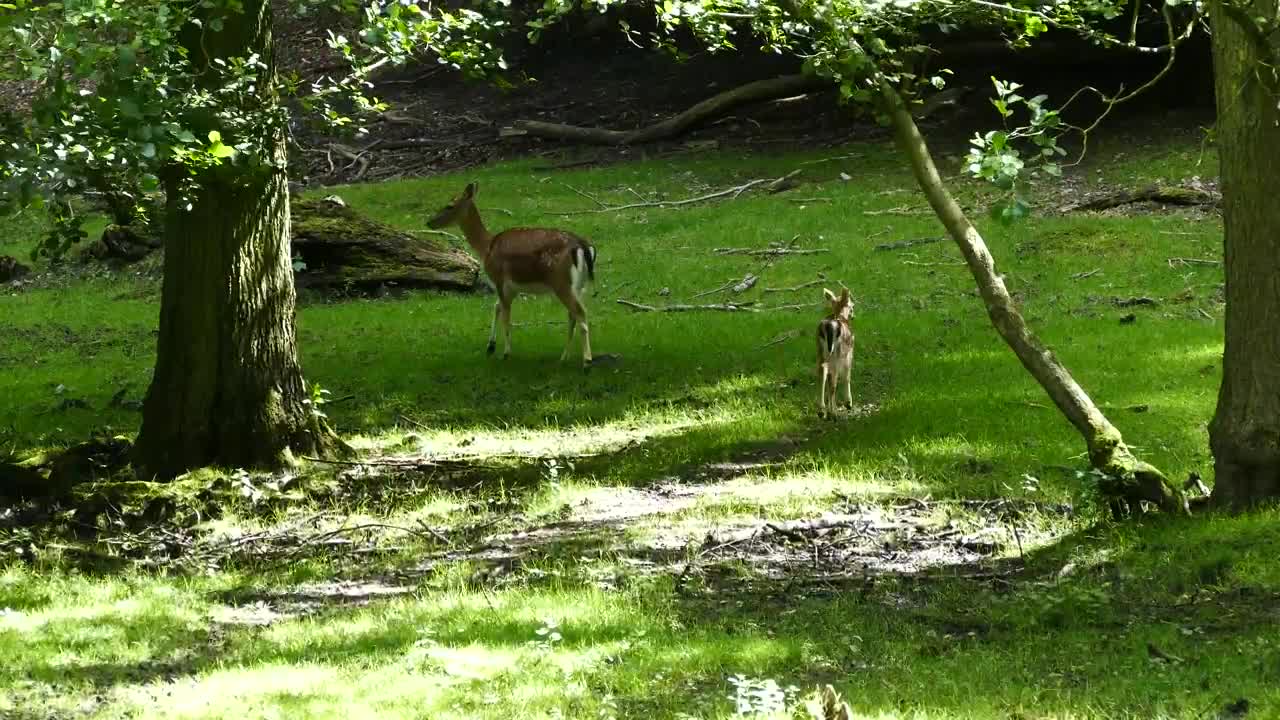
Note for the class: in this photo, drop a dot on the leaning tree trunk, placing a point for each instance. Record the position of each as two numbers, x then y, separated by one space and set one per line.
1245 431
1128 478
227 388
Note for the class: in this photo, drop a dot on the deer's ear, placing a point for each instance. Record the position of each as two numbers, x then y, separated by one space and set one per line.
844 295
472 189
828 294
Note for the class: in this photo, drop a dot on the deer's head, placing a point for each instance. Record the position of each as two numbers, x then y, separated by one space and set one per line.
841 307
454 211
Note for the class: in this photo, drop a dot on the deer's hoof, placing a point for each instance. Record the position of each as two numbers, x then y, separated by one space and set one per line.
492 347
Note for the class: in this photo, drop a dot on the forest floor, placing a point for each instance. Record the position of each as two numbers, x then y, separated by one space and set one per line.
675 533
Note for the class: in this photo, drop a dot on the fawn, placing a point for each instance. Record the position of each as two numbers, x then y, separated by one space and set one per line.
530 260
835 351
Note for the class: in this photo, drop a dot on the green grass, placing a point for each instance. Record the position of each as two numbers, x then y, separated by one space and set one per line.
946 411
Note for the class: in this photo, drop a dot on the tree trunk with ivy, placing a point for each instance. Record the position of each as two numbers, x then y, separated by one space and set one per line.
1245 431
227 388
1126 479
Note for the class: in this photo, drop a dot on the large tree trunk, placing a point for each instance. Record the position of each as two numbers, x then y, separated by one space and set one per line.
227 388
1245 431
1128 478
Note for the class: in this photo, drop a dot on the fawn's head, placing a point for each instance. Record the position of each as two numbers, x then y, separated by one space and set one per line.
840 307
453 212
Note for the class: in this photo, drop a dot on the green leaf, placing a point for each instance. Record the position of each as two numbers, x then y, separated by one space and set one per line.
183 135
149 150
219 150
215 137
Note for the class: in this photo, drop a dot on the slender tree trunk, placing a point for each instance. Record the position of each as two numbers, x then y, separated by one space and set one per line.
227 388
1245 431
1127 477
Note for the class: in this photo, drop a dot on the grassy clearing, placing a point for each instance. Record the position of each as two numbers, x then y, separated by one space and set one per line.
581 625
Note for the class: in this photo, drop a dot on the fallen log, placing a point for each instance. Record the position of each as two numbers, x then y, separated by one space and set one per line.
709 109
341 248
1165 194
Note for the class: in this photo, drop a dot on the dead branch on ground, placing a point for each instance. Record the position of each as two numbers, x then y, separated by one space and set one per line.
711 108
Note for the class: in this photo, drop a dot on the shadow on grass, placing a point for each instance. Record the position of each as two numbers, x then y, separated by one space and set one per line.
1203 593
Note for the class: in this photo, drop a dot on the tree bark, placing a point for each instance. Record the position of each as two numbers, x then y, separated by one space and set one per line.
1127 478
712 107
227 388
1245 431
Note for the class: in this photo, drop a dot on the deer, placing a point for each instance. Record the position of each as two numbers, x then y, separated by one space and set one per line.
835 351
528 260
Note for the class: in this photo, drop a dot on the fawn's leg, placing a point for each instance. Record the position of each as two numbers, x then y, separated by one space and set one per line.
578 319
822 390
848 382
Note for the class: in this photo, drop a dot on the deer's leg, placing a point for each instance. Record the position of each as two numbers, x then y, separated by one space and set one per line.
493 328
578 320
506 327
573 325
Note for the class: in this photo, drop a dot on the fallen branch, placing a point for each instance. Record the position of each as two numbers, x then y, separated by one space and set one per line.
1153 193
1085 274
711 108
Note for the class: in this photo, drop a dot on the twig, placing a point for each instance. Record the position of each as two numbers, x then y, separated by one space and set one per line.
726 307
1183 262
734 192
802 286
1087 273
902 210
770 251
831 159
586 195
810 200
931 264
900 244
783 337
713 291
797 306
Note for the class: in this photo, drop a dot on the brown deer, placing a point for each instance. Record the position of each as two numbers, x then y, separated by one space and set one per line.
530 260
835 351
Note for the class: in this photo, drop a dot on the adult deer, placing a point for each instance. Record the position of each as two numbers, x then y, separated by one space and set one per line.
835 350
529 260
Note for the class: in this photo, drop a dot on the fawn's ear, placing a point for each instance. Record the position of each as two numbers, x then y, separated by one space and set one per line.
844 295
472 189
829 295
